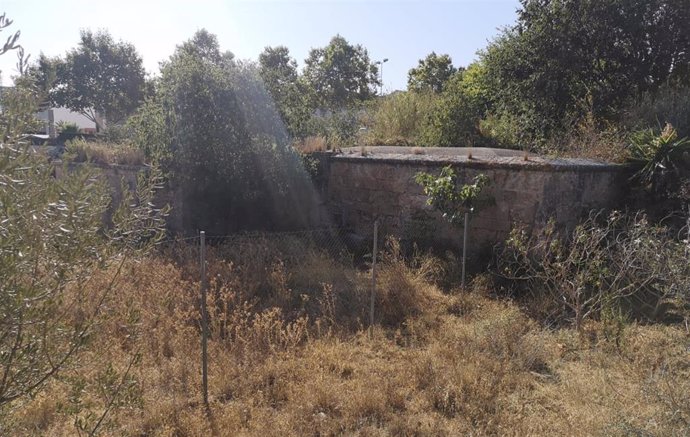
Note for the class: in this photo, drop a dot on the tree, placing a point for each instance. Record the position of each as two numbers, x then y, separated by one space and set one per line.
431 73
565 58
454 118
291 95
149 132
11 42
53 246
101 78
455 201
341 74
278 69
233 167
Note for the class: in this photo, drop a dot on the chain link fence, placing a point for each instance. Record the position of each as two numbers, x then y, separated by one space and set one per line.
331 272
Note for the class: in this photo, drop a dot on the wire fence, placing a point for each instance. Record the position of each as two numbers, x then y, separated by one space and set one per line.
293 249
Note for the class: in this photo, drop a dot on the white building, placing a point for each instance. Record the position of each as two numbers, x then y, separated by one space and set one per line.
54 116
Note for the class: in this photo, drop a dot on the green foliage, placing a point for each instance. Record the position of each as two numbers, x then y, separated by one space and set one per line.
148 131
503 129
431 74
340 128
67 128
293 98
454 118
451 198
99 78
610 266
18 110
563 53
262 115
230 155
53 246
664 160
210 144
106 154
341 74
398 118
670 104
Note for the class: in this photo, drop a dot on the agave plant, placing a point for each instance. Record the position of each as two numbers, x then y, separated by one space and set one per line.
662 158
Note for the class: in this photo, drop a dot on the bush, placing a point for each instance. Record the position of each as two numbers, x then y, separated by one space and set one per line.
664 162
405 289
149 132
102 153
453 121
67 128
339 128
608 264
311 144
589 138
503 129
397 119
54 245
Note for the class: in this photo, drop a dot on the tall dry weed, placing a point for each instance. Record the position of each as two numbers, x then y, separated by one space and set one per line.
403 289
476 365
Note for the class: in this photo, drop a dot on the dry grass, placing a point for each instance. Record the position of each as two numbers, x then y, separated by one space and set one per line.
104 153
311 144
587 140
289 355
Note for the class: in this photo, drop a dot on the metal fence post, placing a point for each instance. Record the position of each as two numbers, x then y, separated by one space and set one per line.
373 278
204 318
465 226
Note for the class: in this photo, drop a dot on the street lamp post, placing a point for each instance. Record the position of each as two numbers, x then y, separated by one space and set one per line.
380 63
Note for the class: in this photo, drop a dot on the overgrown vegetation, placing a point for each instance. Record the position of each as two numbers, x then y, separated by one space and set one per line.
611 266
101 153
450 196
577 332
53 244
289 356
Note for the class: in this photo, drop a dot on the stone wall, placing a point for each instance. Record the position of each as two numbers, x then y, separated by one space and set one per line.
115 175
358 188
526 191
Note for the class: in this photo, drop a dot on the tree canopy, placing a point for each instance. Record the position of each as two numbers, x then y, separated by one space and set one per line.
100 78
229 154
564 58
341 74
292 96
431 74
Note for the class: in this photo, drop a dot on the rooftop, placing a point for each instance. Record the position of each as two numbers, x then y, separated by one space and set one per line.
480 157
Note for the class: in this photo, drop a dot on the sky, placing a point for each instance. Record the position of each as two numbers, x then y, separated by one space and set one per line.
402 31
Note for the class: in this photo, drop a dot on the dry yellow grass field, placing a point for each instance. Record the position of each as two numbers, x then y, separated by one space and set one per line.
290 355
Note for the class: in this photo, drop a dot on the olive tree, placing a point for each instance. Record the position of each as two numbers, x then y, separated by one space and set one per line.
55 242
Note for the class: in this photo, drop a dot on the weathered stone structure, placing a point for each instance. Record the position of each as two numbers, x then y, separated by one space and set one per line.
362 185
359 186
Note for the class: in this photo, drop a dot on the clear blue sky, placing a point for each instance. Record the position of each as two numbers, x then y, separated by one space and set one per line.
402 31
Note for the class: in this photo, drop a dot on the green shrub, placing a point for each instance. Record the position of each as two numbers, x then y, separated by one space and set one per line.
67 128
663 159
608 265
397 119
53 244
453 120
339 128
503 129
